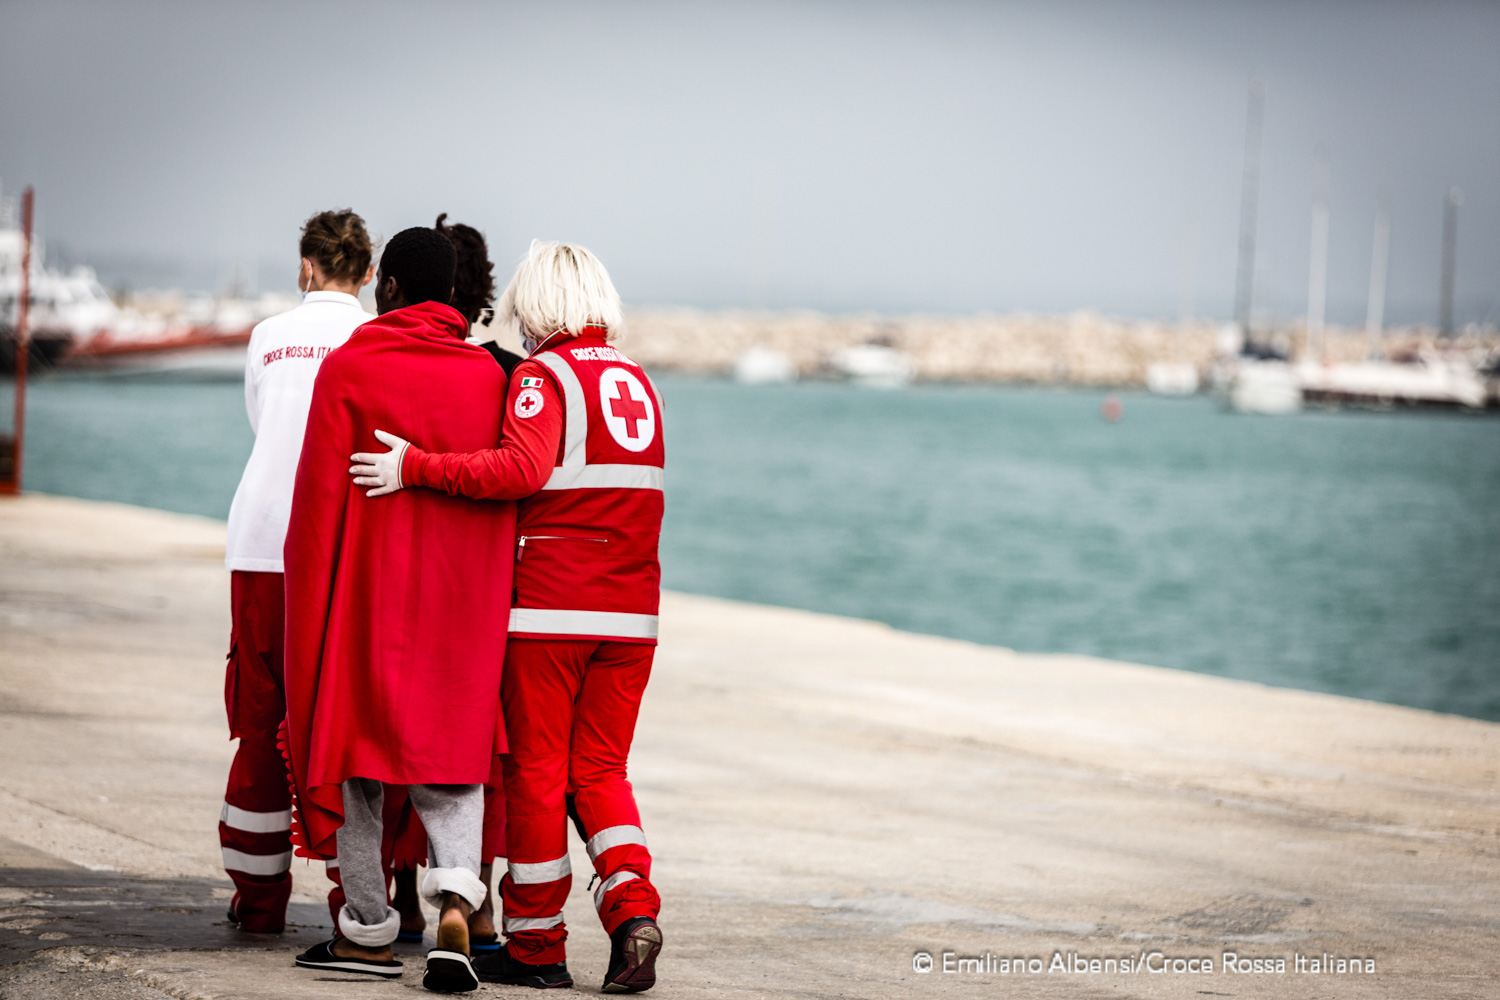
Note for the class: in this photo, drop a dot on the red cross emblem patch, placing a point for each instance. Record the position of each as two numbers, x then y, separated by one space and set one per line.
529 403
629 409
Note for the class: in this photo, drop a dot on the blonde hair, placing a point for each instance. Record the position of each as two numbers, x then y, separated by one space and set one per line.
560 286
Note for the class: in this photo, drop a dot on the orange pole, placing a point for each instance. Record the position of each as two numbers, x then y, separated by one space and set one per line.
23 340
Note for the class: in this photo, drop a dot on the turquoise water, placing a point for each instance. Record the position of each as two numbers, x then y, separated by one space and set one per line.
1354 553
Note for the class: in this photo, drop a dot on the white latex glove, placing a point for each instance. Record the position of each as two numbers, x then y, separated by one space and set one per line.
381 471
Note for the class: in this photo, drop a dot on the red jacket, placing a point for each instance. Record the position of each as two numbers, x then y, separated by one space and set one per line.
396 607
583 452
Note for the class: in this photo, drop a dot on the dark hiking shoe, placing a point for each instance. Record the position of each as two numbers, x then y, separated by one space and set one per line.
633 948
321 956
449 972
500 967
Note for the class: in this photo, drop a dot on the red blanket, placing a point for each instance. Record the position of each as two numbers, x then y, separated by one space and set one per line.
397 606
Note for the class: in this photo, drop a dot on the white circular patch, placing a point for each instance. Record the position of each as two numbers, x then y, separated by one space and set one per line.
529 403
629 409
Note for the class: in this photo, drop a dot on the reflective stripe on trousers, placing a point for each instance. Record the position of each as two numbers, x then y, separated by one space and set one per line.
618 878
614 836
255 822
540 872
512 925
256 864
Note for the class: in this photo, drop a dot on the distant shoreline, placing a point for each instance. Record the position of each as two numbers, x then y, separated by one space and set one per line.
1081 349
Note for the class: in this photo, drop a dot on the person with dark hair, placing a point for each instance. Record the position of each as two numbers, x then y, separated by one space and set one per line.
474 297
474 289
284 356
474 276
393 659
584 458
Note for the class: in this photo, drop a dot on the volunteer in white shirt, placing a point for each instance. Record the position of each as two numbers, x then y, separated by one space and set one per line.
285 354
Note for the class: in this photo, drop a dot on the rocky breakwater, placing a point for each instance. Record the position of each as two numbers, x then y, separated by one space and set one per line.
1082 348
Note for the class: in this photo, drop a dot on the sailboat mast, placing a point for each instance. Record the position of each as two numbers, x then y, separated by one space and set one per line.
1317 278
1244 287
1379 260
1186 292
1450 258
17 442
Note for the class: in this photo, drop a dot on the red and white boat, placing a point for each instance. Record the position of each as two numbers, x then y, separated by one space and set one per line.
169 335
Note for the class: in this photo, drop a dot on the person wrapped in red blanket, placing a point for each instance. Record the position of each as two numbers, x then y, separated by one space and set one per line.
396 617
583 456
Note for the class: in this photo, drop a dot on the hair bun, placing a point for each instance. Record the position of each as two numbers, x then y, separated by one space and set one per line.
339 243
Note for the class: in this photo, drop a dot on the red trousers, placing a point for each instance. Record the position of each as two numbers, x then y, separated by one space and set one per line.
255 823
492 843
570 709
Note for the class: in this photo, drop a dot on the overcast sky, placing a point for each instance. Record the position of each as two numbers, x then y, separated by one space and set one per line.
921 156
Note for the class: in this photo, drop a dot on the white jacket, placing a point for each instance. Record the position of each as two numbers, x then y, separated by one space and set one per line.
285 354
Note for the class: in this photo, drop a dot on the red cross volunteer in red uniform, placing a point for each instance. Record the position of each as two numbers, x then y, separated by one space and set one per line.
582 453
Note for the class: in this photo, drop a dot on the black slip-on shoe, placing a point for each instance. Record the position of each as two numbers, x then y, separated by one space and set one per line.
321 956
449 972
500 967
633 948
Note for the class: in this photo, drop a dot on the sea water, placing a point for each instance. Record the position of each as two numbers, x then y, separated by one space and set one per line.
1350 552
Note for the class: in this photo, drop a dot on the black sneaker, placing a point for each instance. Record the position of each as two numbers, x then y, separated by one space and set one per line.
500 967
321 956
633 948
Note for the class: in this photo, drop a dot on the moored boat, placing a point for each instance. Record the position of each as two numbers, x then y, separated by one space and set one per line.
66 307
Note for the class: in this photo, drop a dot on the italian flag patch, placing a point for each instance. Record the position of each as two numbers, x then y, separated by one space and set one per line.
531 383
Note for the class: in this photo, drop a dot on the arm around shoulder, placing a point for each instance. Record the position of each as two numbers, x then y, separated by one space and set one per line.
520 466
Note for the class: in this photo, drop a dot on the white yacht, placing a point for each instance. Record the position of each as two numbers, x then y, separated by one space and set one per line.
763 366
874 365
1429 379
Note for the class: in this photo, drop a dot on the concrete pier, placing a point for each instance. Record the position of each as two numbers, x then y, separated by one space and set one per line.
827 800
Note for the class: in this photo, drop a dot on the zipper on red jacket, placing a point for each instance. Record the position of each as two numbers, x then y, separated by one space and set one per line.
522 540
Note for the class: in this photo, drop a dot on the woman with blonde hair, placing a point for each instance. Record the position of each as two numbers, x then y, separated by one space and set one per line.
582 454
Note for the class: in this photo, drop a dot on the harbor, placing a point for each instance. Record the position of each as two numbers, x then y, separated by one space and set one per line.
809 501
830 799
79 329
1411 365
1343 551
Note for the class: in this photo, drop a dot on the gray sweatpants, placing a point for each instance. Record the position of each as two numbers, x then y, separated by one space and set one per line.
454 818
